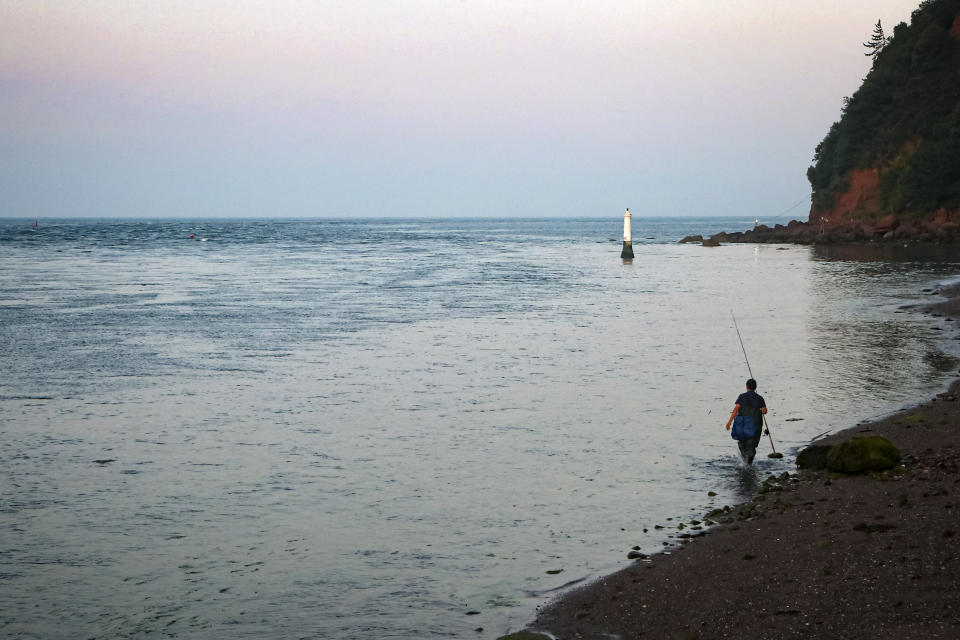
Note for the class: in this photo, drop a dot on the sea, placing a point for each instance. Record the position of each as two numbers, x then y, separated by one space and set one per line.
407 428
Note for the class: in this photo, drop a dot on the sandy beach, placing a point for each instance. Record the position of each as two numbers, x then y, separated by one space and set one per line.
815 555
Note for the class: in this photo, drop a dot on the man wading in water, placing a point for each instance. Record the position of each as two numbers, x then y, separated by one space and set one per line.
752 405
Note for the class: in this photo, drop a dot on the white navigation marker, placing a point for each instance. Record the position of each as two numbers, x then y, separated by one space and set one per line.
627 253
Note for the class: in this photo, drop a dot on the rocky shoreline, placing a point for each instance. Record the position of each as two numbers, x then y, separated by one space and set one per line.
939 229
814 555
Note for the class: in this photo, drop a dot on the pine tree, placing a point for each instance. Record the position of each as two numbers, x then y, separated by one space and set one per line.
877 42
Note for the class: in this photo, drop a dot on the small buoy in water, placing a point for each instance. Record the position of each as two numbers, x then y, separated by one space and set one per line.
627 253
191 236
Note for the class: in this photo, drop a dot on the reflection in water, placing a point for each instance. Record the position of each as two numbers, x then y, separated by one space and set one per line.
885 253
940 361
740 481
866 353
747 481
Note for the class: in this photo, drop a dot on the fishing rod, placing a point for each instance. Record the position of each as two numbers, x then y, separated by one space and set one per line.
763 416
791 208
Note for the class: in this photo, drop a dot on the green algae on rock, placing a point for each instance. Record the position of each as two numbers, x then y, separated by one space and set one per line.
863 454
859 454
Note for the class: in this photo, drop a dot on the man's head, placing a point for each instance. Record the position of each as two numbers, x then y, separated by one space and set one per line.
752 384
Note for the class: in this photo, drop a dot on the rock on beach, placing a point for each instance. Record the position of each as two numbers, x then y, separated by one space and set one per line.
858 454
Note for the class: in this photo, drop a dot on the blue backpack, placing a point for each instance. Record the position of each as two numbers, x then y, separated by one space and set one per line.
743 428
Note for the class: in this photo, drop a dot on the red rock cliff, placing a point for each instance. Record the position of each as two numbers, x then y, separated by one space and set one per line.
862 196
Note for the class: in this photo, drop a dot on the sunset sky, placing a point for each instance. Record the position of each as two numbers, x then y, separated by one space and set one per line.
422 108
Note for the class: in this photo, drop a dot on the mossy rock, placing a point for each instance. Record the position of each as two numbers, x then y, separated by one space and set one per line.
863 454
814 457
524 635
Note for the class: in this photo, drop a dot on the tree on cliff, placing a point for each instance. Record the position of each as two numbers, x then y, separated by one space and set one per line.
877 42
903 123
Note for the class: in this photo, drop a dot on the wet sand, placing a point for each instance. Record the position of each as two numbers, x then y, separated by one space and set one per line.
816 555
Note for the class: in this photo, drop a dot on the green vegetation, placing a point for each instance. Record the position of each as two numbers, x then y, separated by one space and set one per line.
863 454
877 41
904 120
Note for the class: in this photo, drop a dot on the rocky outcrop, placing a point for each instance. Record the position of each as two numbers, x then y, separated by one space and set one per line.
896 148
889 169
941 228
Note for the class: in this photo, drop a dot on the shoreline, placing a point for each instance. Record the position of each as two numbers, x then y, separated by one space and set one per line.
812 555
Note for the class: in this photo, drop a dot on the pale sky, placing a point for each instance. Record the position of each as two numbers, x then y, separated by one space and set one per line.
422 108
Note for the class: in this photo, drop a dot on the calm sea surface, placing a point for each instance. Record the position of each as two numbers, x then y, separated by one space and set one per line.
403 428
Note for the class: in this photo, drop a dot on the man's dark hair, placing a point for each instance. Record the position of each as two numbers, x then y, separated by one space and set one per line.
752 384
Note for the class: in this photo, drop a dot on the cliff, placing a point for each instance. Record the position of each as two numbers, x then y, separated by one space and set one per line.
893 159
